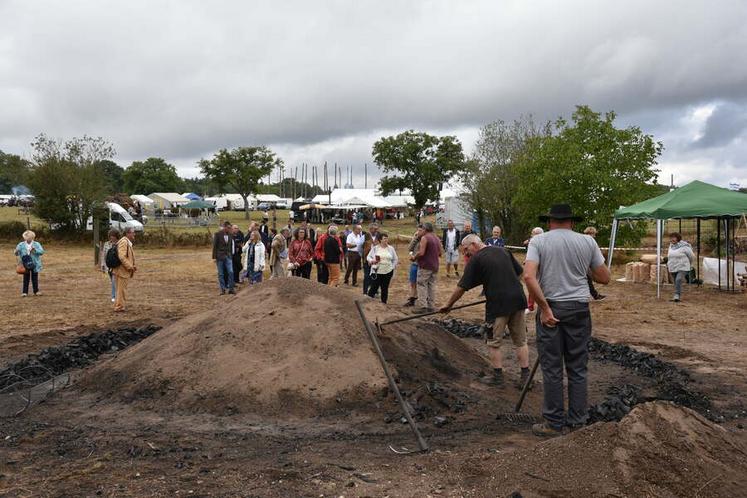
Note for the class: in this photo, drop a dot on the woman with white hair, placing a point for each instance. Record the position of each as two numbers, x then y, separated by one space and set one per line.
29 253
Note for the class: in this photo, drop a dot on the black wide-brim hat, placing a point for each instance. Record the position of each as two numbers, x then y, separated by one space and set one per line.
560 212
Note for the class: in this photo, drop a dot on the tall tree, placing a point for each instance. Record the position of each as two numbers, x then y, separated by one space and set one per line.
241 168
114 174
67 180
591 165
13 171
490 180
419 162
152 175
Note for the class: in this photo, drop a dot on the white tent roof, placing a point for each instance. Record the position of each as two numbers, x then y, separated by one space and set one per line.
362 196
142 199
171 197
400 200
269 198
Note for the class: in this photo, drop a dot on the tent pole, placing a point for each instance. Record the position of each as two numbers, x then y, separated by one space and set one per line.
658 258
734 256
698 262
612 243
718 249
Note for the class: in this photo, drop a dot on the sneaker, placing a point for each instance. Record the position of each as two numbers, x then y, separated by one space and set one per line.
410 302
600 297
675 299
38 293
456 273
222 292
546 430
231 291
113 299
24 295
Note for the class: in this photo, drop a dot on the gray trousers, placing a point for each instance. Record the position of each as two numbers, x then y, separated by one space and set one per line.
426 288
565 345
679 277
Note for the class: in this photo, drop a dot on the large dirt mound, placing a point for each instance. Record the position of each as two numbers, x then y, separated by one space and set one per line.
287 346
658 449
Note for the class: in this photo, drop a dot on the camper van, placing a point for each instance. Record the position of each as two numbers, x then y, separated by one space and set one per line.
120 219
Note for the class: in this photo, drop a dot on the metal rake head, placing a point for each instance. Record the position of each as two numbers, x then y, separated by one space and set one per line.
517 418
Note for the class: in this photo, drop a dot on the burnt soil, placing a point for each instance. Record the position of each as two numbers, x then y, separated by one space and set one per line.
132 426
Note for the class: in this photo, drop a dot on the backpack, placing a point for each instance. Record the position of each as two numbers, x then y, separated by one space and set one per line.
112 258
28 262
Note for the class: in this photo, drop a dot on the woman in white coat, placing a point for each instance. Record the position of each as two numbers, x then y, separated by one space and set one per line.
383 261
679 262
254 257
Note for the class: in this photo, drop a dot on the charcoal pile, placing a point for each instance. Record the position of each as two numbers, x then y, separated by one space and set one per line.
644 364
462 329
620 400
79 353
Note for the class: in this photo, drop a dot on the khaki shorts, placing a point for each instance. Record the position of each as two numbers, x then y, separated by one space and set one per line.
516 327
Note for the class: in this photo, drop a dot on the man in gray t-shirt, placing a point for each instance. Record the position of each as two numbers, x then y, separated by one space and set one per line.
555 272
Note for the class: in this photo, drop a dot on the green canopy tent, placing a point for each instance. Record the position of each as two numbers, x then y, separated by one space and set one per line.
696 200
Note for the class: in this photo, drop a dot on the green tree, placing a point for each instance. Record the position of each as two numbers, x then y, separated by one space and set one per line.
13 171
152 175
67 179
490 180
114 174
591 165
240 169
419 162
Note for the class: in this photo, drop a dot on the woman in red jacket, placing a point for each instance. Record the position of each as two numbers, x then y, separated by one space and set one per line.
300 254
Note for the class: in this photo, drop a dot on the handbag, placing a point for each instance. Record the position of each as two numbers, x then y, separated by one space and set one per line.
20 269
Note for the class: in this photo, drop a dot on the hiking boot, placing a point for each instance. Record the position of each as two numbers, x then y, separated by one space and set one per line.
492 380
523 380
546 430
574 427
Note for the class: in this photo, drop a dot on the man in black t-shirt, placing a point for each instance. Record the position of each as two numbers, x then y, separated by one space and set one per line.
498 272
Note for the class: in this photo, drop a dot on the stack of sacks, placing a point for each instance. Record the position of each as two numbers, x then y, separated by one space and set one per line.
637 272
663 274
649 258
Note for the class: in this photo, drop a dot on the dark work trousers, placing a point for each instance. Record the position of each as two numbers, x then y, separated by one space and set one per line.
236 267
303 271
354 264
366 276
380 282
34 277
566 343
322 273
594 293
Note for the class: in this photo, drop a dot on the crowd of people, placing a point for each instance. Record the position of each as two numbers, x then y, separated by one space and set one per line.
559 273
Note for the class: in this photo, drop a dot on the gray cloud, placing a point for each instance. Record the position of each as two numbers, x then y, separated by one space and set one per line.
727 122
318 81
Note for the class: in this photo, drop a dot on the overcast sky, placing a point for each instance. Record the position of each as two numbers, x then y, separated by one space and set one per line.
321 81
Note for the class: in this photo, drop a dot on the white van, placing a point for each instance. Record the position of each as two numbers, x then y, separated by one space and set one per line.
120 219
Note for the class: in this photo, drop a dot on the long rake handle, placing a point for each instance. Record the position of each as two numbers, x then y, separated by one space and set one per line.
526 386
392 385
421 315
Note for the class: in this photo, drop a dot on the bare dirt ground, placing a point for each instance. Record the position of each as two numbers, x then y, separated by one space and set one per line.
85 443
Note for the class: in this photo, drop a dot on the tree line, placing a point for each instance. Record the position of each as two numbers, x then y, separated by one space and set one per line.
519 169
516 171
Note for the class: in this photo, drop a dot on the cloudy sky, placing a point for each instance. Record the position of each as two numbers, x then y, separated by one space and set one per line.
321 81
